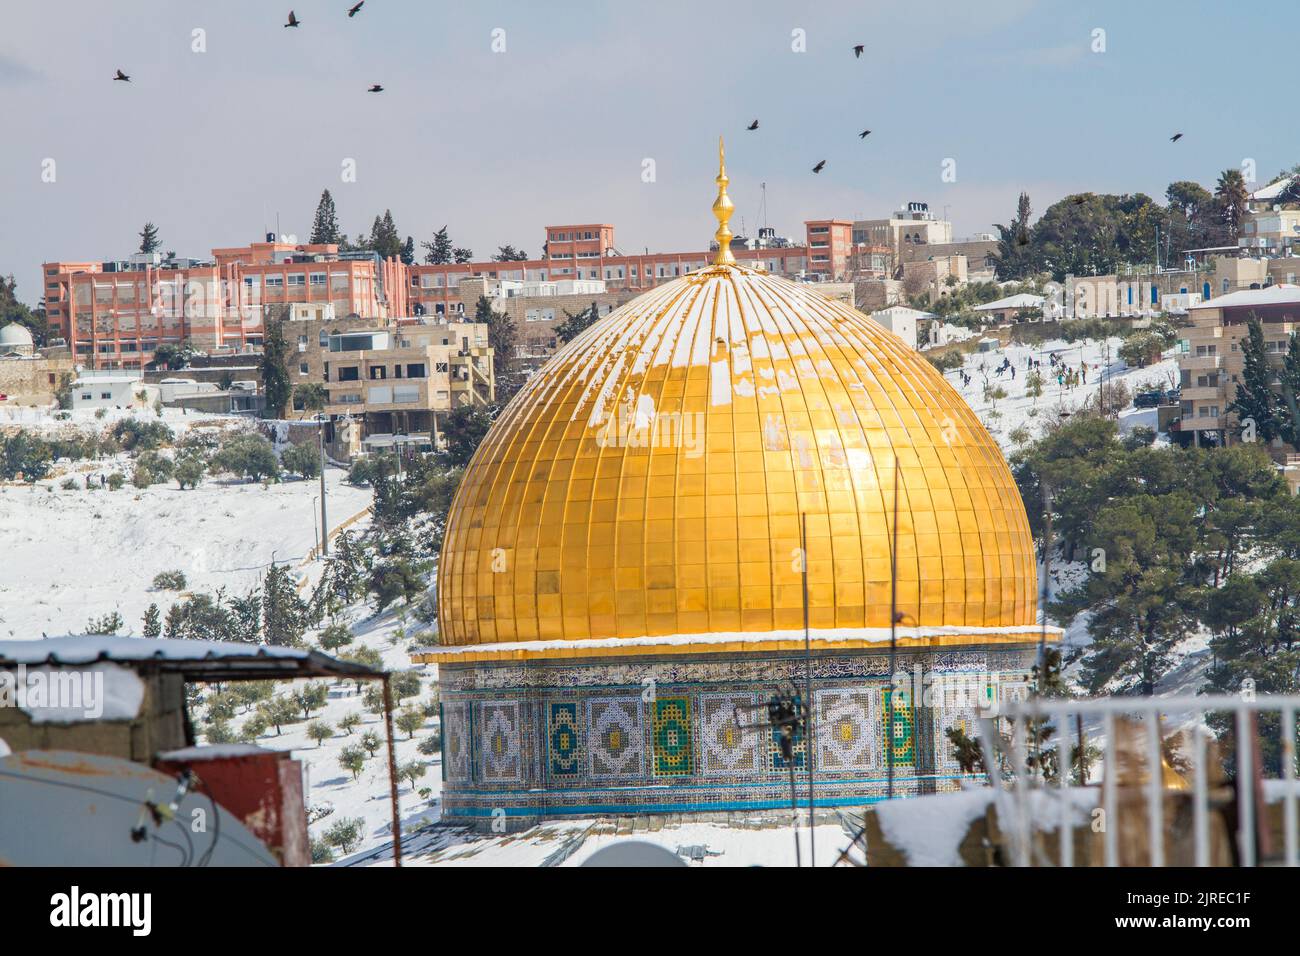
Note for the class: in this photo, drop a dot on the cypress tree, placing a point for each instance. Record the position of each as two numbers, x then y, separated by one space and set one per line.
1255 399
275 369
1291 394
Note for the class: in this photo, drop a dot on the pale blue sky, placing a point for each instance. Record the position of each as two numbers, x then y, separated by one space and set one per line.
212 145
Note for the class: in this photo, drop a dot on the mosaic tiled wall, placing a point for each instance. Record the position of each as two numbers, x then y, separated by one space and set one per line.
672 735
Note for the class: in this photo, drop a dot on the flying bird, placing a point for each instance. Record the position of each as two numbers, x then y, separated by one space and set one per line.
293 20
1176 137
820 166
864 134
753 125
353 11
857 50
121 76
375 89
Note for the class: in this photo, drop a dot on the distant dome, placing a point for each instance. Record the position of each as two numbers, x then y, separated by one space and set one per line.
14 335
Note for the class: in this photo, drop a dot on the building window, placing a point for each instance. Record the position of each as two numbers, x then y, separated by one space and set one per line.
302 368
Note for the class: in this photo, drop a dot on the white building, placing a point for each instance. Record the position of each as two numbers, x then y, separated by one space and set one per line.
92 390
901 320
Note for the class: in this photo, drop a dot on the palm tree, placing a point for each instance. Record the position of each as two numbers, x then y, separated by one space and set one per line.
311 396
1232 196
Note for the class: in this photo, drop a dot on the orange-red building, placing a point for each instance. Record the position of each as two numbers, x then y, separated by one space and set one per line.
115 314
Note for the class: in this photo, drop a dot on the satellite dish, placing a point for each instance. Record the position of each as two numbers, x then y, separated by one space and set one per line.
64 808
634 853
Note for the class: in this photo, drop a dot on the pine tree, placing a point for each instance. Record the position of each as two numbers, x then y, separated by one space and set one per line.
438 252
1255 401
384 238
1290 378
573 325
275 369
152 622
407 254
175 621
283 611
149 241
462 255
325 227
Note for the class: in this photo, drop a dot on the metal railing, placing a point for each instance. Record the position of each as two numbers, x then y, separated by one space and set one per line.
1015 805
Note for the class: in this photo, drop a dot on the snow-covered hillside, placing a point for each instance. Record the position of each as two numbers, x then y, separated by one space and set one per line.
1019 410
70 555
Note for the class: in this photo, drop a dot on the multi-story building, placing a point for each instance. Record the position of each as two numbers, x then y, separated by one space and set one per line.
115 314
393 379
1210 359
913 225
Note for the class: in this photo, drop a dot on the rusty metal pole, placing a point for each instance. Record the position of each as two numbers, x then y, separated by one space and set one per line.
392 773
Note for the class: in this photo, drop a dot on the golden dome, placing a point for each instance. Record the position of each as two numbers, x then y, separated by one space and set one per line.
649 481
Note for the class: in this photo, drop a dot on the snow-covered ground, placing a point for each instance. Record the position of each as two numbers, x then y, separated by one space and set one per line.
1019 410
74 554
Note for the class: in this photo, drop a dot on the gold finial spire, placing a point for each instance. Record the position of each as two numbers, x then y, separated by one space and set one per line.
722 209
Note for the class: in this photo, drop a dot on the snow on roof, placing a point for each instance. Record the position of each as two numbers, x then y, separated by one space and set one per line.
1022 301
1272 190
195 659
105 379
1280 294
215 752
902 311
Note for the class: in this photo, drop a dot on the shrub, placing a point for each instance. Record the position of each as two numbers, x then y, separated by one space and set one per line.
344 835
321 852
335 636
169 581
319 731
430 745
301 460
135 435
69 484
948 361
116 480
247 455
189 471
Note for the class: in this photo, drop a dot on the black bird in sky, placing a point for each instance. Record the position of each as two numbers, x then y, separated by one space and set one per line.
857 50
293 20
121 76
353 11
1176 137
375 89
753 125
820 166
864 134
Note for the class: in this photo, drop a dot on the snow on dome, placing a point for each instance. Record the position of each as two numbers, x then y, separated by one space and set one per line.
649 481
14 334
